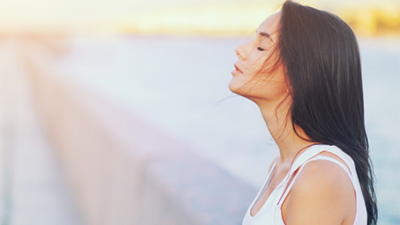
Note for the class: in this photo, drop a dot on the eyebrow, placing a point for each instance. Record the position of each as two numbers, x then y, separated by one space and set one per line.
265 34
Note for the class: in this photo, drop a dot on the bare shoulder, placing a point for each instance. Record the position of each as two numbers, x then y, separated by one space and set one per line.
321 194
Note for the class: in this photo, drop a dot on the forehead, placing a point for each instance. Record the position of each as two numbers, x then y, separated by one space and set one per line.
271 24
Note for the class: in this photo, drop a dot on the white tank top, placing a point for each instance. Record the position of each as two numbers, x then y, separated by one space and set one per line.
270 212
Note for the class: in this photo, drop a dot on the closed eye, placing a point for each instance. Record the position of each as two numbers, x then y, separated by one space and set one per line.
260 49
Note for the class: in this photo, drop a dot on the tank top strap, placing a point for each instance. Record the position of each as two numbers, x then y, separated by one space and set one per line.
303 157
311 155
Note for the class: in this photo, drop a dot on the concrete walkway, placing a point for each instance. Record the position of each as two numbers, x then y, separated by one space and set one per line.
32 188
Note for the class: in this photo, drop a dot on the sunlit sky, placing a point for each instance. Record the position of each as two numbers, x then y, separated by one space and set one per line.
169 15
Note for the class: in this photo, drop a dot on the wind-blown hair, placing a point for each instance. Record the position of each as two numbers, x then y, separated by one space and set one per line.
321 58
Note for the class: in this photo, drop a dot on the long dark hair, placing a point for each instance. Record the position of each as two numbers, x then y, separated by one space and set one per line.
322 65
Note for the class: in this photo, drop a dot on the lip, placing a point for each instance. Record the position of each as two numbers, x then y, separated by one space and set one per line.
237 70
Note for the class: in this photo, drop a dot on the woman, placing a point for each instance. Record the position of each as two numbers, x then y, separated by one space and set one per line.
303 71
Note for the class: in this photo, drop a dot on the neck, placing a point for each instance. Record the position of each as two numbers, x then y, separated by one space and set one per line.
280 126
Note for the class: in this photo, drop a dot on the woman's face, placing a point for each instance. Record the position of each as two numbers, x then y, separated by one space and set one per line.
252 77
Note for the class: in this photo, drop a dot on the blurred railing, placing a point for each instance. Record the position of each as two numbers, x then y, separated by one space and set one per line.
124 171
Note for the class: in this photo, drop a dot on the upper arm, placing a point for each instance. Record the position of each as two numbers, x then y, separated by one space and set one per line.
321 194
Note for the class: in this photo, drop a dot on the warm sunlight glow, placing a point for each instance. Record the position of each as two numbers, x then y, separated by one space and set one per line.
192 18
209 20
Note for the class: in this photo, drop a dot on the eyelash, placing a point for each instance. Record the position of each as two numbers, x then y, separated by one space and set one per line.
260 49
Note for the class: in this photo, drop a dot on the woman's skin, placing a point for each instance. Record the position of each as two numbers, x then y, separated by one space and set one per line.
322 193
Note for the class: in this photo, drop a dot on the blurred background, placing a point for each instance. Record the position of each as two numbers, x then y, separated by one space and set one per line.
119 112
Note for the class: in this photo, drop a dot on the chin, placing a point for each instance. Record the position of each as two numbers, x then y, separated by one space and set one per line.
234 87
239 90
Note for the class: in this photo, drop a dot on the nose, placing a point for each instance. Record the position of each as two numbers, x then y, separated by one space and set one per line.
239 53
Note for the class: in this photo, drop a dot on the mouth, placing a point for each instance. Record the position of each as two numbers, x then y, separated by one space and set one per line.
237 69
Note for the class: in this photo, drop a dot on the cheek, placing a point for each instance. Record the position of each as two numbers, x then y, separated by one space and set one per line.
267 85
254 64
